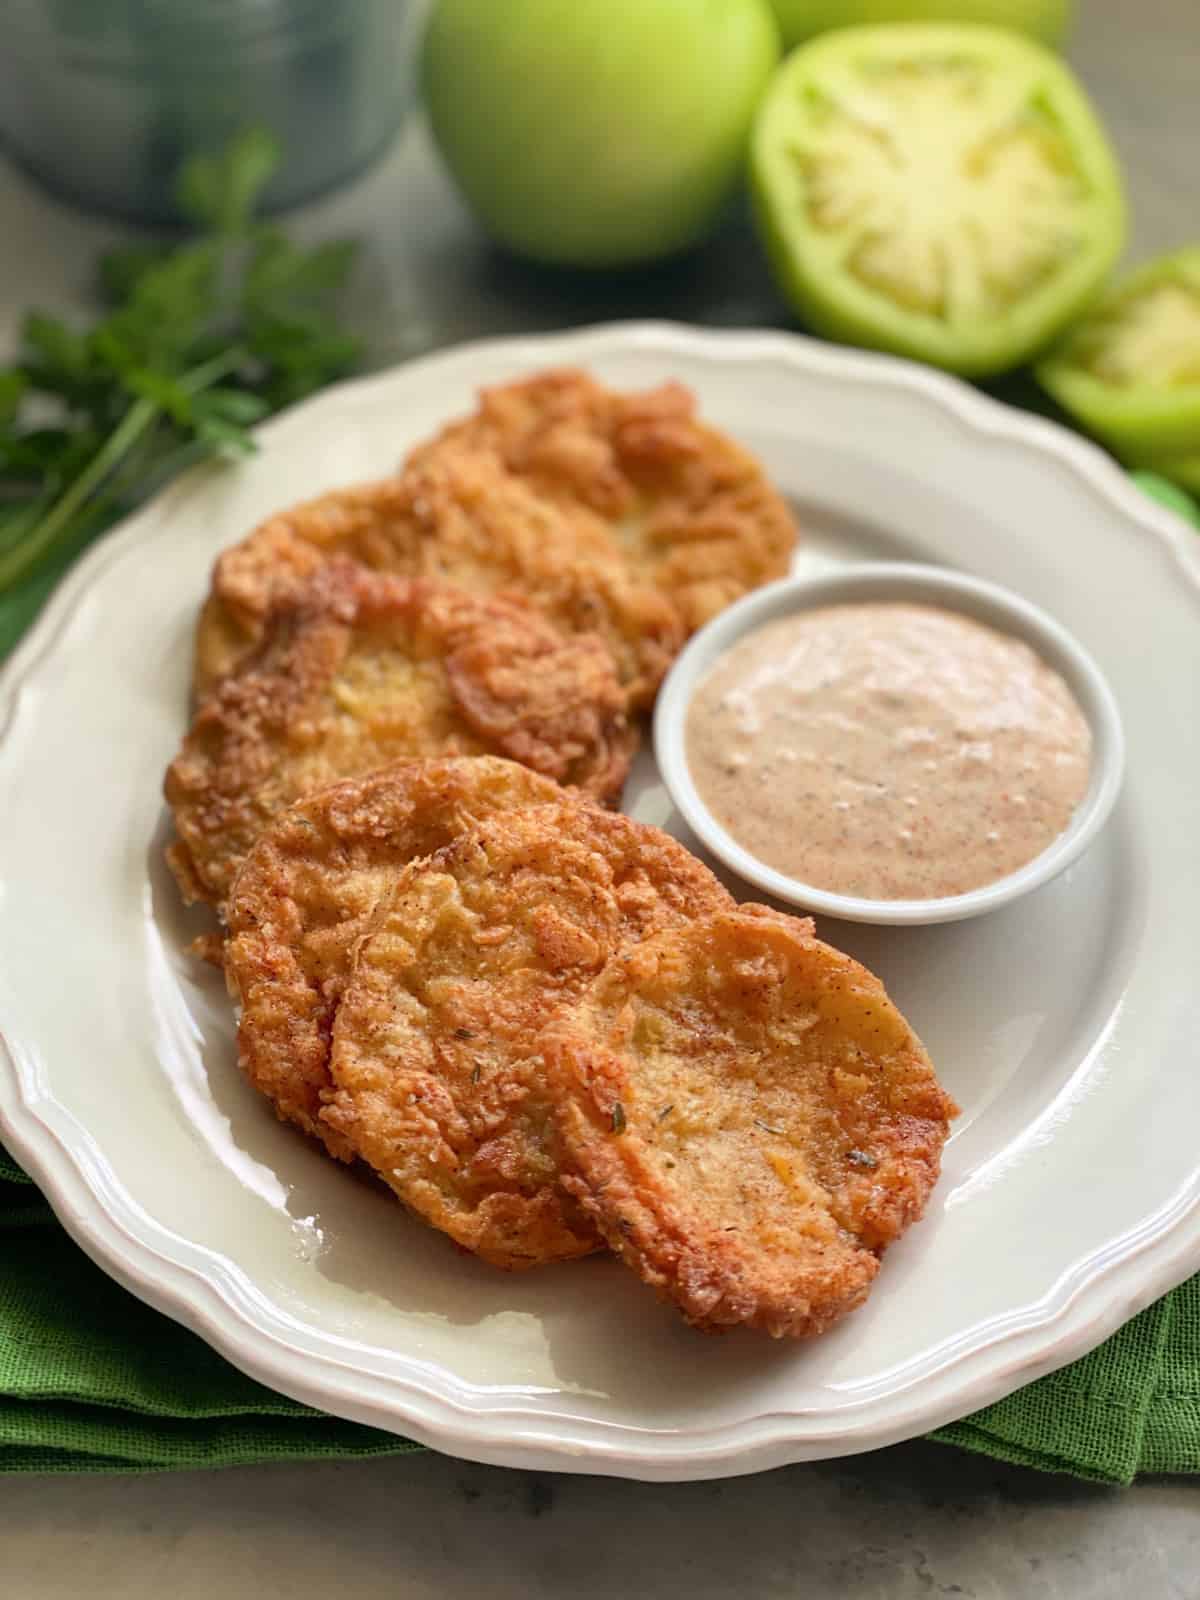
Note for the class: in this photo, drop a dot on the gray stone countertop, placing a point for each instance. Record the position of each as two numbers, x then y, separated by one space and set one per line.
903 1524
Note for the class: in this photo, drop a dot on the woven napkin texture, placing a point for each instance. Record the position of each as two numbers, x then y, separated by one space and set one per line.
91 1380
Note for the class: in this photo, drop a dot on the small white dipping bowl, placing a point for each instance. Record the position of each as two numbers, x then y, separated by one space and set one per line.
916 584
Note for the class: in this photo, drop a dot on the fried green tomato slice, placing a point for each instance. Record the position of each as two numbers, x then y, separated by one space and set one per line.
941 191
1129 372
461 519
309 891
357 670
747 1119
692 513
437 1056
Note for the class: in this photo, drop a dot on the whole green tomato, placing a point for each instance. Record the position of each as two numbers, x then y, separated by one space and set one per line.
596 133
801 19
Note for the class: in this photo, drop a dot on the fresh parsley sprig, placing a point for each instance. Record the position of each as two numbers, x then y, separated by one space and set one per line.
200 340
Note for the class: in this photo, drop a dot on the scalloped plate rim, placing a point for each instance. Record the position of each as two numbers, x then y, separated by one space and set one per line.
1153 1256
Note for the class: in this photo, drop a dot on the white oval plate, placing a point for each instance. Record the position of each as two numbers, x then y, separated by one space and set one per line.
1064 1025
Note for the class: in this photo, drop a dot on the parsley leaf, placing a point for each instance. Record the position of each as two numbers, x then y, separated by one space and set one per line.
199 341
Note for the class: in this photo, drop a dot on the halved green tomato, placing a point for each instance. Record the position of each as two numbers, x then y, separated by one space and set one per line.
1130 371
939 190
801 19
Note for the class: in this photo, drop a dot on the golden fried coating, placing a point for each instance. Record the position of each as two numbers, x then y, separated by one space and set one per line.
747 1119
461 518
437 1042
693 512
356 670
309 890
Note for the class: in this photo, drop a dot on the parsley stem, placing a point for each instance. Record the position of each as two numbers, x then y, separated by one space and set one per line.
16 562
208 372
31 549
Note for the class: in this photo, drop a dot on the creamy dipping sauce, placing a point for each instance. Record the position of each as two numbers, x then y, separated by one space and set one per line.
891 751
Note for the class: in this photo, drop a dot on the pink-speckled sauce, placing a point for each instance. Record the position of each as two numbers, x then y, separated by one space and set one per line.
888 750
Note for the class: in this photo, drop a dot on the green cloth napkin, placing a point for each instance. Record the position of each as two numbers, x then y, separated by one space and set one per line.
91 1380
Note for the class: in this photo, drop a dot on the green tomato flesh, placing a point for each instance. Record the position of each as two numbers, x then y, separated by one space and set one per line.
587 134
940 191
803 19
1130 371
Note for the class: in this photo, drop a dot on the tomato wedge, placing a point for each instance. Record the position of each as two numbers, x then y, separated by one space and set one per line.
939 190
1182 470
1130 371
1168 494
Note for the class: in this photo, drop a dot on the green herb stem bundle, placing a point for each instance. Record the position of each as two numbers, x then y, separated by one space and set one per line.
200 340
